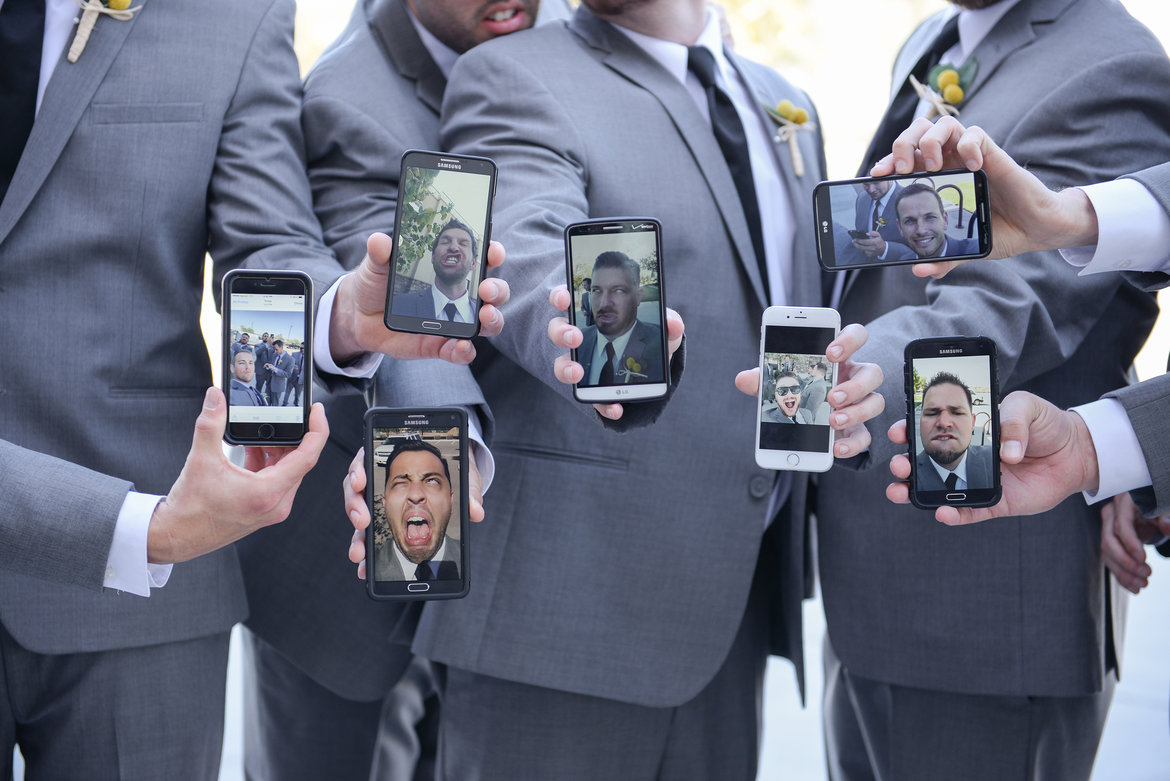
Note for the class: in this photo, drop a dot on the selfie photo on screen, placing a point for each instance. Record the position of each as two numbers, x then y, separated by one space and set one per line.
795 391
953 428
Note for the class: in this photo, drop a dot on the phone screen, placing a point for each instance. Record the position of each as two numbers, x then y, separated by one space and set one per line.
417 493
442 229
267 356
795 378
615 275
953 422
902 219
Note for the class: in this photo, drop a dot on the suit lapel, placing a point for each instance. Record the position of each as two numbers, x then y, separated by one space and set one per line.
69 93
624 57
391 26
1013 32
585 351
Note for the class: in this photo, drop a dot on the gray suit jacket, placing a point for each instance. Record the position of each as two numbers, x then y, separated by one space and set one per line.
421 303
862 222
978 470
954 248
388 566
1011 606
282 366
371 96
242 395
644 346
554 595
127 124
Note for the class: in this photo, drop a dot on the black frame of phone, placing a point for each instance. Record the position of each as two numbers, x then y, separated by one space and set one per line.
822 205
388 417
419 158
283 433
955 347
594 227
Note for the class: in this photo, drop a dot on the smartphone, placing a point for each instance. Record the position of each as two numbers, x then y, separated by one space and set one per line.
918 217
442 228
952 421
416 491
792 410
614 270
267 356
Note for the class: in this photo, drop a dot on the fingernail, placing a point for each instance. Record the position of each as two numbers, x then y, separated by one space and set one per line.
211 399
840 419
1012 449
838 396
835 351
353 515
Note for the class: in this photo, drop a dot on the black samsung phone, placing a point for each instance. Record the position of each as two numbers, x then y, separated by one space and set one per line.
952 422
902 219
416 491
614 271
267 356
442 228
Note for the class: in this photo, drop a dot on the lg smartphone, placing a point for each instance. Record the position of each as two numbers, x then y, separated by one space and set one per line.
614 271
952 422
792 410
902 219
442 228
267 356
416 491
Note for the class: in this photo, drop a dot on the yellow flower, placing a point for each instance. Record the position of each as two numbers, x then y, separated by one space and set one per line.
947 78
633 365
800 116
788 111
953 94
118 5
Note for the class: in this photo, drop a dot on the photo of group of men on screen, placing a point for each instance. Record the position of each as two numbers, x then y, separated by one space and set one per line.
885 220
266 371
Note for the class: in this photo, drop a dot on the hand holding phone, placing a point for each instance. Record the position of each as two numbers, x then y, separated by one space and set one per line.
952 422
442 228
614 271
267 338
919 217
417 495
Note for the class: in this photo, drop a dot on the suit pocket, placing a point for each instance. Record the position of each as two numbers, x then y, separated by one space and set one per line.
564 456
145 113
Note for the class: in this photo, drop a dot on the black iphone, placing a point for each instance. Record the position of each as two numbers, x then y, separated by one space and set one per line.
267 356
416 491
442 228
952 422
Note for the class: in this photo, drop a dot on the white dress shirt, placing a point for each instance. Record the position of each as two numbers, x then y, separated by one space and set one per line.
960 471
599 357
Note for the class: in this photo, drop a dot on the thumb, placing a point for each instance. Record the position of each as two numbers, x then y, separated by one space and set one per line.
378 248
1017 412
209 426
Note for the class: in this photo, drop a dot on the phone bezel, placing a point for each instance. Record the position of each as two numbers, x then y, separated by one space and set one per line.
627 392
793 317
824 225
952 347
436 417
437 161
278 283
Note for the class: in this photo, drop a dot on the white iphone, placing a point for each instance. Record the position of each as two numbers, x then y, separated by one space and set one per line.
792 409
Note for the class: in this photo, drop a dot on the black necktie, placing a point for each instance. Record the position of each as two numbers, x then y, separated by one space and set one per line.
952 481
423 572
259 399
733 142
606 376
874 224
900 113
22 28
449 311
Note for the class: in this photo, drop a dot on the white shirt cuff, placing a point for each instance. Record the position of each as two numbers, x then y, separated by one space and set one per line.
1133 230
1120 462
363 367
127 568
484 461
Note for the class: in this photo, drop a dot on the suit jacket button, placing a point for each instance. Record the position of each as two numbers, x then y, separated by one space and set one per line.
759 486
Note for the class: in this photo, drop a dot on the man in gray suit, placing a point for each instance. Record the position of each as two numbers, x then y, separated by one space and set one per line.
243 392
279 366
617 292
608 558
875 216
372 95
945 431
453 257
988 644
922 222
418 500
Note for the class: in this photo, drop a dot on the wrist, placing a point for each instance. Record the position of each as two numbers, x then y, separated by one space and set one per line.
1079 217
1086 453
159 544
343 343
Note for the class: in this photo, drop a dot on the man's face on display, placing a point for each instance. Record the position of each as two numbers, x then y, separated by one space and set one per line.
614 298
243 338
244 367
947 423
787 396
453 256
417 501
462 24
923 224
877 189
264 338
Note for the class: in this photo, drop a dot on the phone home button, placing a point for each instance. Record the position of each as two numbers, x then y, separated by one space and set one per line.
793 459
432 325
418 588
956 497
266 431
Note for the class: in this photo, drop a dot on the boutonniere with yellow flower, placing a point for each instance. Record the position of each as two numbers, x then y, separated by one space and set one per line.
90 11
881 222
945 88
631 369
790 120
